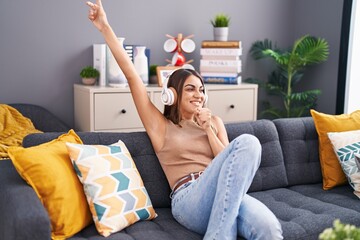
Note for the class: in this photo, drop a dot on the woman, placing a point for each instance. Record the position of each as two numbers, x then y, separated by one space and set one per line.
209 177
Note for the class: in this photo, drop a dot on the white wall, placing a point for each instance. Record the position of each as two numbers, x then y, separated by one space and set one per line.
352 94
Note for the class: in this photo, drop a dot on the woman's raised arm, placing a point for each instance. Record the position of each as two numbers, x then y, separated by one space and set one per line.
152 119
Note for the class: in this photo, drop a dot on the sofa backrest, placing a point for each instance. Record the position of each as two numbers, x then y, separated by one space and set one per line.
42 119
299 143
271 173
290 153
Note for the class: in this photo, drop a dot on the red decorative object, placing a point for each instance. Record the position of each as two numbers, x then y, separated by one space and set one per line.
179 45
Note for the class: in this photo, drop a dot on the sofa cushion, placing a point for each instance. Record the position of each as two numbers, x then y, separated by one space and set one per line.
112 184
141 150
341 196
271 173
305 214
324 123
48 170
164 227
299 144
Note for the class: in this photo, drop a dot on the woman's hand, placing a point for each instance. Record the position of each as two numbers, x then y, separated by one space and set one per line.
203 118
97 15
214 128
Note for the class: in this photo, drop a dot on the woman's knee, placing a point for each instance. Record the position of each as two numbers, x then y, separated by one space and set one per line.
249 142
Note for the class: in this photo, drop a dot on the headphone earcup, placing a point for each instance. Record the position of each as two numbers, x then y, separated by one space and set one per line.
168 96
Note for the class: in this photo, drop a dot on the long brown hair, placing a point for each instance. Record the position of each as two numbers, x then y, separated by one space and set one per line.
176 81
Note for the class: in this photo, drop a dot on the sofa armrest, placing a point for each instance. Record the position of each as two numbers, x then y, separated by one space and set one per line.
22 216
42 119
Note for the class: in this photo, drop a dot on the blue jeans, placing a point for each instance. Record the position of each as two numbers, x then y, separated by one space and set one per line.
216 204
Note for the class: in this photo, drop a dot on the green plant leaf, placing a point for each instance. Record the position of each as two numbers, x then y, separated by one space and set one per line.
259 47
220 20
89 72
340 231
297 76
306 96
280 58
309 50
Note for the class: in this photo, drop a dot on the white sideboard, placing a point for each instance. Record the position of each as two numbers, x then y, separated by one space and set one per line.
108 109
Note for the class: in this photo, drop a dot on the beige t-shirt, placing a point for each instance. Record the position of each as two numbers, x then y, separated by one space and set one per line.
186 150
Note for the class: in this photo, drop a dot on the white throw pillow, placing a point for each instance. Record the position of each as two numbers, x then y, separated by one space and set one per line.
346 145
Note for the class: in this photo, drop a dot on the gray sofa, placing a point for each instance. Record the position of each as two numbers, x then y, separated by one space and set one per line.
288 181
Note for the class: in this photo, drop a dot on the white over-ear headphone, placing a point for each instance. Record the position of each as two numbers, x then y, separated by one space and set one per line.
169 95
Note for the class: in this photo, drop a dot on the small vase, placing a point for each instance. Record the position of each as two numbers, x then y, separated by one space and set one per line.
141 64
114 75
221 33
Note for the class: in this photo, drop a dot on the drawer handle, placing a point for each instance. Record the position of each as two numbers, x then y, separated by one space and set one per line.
232 106
123 111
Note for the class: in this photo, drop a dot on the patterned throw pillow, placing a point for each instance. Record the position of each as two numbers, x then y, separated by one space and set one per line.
346 145
112 184
355 178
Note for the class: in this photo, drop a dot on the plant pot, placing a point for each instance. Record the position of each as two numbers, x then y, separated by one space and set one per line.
153 79
89 81
221 33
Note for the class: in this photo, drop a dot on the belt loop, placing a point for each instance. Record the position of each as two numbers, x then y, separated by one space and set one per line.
193 176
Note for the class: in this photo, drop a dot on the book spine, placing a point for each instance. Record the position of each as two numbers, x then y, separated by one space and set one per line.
219 74
99 61
227 69
129 49
220 57
218 63
220 44
221 51
222 80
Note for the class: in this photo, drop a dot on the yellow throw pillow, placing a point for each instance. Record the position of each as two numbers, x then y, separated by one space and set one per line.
332 172
48 170
115 191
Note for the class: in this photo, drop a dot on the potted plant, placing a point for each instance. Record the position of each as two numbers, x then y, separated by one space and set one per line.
340 231
153 74
221 27
289 70
89 75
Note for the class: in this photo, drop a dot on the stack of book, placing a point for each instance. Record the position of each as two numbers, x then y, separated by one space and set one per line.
220 61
